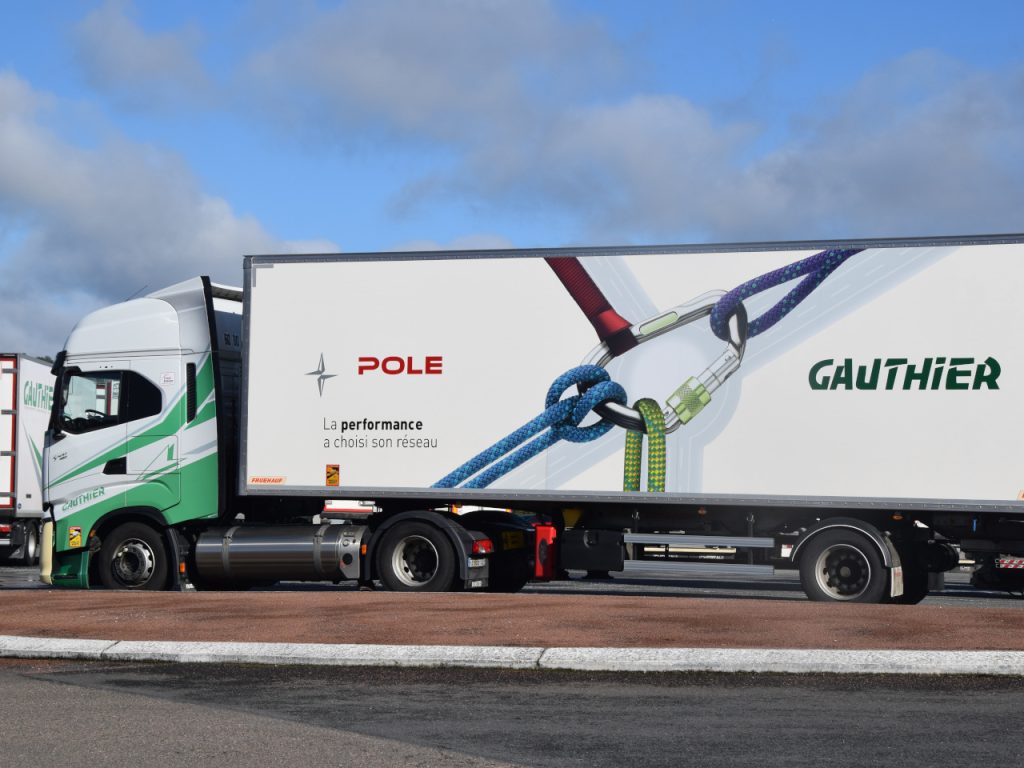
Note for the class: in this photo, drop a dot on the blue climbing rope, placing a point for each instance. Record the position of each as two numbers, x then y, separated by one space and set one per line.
816 268
560 419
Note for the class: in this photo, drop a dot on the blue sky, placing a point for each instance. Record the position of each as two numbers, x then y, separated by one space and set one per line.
145 142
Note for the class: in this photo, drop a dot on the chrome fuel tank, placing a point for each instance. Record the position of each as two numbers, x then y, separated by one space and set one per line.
245 554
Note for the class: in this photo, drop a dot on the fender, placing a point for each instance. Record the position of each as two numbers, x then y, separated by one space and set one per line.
890 558
148 515
178 549
126 514
493 523
461 539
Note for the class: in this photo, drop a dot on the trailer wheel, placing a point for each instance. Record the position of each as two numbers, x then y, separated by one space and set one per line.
416 557
30 547
133 557
844 566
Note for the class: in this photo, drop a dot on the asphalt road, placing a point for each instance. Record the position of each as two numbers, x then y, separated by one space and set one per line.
102 714
229 715
785 585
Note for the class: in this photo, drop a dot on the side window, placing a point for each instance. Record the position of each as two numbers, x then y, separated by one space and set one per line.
141 397
90 401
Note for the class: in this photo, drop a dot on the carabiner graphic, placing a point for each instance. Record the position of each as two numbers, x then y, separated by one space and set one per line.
597 392
694 394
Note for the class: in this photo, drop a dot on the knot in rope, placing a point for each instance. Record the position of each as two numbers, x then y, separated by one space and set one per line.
559 421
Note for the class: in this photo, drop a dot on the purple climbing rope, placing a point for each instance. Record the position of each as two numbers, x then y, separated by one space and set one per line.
816 268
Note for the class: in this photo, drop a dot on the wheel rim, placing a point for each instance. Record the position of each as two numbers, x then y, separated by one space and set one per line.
843 572
133 563
31 547
414 561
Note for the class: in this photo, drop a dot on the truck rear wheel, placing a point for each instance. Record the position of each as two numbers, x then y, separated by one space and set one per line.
844 566
133 556
416 557
30 547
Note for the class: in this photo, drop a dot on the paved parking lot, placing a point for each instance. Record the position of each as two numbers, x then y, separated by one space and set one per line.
784 585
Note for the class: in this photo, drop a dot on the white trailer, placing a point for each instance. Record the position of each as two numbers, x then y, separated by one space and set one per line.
26 399
848 408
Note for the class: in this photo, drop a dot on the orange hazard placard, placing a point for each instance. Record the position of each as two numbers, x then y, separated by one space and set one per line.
333 475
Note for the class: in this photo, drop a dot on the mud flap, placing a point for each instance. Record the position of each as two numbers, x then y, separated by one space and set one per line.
71 569
46 553
895 570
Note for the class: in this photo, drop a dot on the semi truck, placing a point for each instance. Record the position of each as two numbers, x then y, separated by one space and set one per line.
849 409
26 399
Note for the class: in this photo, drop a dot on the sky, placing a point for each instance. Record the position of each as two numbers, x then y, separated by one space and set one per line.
145 142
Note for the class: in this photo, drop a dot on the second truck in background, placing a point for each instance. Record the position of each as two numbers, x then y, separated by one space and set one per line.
26 399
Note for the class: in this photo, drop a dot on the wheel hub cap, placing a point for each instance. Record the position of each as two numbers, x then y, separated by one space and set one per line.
134 563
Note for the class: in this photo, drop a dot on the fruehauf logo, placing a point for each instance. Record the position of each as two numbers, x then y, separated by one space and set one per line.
321 375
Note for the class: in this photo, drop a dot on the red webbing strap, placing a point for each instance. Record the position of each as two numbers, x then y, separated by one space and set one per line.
612 328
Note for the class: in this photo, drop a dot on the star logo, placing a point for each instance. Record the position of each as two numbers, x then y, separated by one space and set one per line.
320 374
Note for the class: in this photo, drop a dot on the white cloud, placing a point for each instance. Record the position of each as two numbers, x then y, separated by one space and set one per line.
646 163
517 96
138 69
527 105
922 145
96 225
449 70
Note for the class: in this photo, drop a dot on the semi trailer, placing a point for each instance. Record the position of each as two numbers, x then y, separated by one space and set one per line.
849 409
26 399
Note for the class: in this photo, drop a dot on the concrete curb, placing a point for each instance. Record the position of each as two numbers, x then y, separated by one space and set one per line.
1007 663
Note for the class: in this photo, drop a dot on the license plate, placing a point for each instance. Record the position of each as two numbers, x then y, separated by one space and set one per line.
513 539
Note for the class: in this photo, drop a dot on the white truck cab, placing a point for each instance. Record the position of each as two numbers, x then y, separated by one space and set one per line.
133 435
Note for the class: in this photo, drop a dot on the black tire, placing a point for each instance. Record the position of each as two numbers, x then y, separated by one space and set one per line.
30 547
843 566
915 575
229 586
416 557
133 556
508 579
202 584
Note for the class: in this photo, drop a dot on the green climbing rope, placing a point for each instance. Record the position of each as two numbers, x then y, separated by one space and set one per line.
655 421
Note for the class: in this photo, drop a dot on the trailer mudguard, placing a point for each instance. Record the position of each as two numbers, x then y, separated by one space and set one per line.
886 549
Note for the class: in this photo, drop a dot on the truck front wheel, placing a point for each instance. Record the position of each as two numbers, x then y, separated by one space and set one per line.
133 556
844 566
416 557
